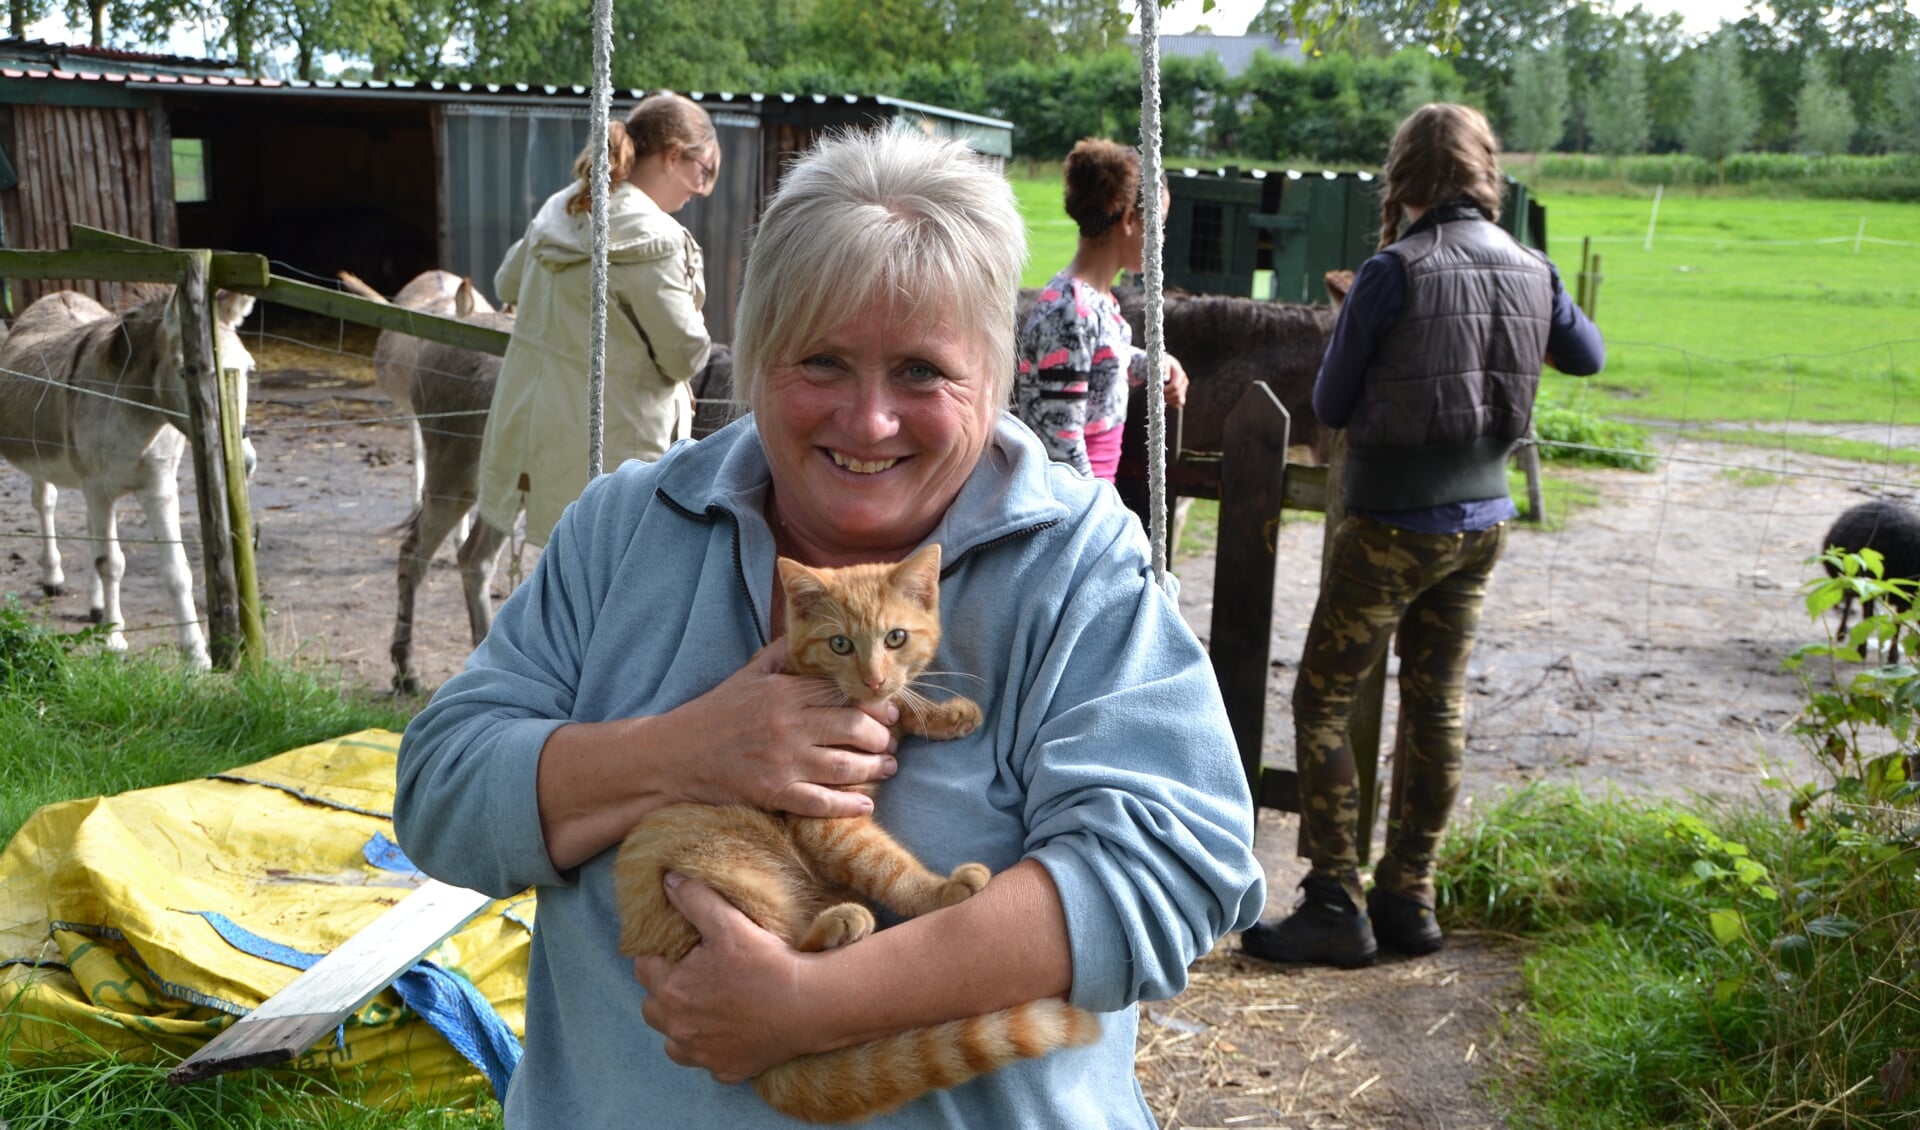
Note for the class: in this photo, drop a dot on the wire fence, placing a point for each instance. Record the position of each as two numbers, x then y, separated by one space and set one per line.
1636 637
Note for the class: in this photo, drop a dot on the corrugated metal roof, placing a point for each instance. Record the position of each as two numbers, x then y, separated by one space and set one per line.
41 50
132 76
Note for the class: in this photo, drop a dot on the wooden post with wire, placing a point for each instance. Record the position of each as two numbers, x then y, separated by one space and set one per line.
1251 489
199 371
253 632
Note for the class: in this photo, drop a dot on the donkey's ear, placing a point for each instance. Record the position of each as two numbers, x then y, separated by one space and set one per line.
463 296
232 307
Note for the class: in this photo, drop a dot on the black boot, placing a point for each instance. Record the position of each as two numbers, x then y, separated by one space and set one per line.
1325 929
1403 924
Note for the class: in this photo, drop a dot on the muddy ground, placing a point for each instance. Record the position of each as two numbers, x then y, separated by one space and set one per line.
1638 649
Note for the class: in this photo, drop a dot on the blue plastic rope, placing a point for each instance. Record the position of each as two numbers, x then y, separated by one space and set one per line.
441 997
383 853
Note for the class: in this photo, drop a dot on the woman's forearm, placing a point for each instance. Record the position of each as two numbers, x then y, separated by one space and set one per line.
596 780
1004 946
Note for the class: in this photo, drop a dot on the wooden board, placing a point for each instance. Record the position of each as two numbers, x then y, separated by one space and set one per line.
248 273
1252 484
317 1001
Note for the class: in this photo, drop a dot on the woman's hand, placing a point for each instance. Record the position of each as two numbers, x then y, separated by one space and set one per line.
760 738
732 1005
1176 386
772 741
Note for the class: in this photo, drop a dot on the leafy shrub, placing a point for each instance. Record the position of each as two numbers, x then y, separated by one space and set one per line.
1570 436
31 654
1750 966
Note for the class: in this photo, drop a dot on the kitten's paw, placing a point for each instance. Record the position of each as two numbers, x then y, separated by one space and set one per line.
954 718
838 926
965 882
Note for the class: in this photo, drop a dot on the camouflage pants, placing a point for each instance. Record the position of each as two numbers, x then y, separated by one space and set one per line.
1428 589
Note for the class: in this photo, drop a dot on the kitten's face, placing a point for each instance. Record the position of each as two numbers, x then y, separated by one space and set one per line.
872 629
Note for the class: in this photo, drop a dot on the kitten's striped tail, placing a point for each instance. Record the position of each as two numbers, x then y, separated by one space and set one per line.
874 1078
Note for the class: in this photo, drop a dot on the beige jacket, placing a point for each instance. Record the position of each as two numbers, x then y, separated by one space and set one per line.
534 453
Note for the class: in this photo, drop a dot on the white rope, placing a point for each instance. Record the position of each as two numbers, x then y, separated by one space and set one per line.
597 279
1156 338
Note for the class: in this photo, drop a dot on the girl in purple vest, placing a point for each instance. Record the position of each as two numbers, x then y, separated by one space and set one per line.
1432 370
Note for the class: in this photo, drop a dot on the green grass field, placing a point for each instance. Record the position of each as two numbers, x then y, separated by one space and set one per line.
1746 308
1749 309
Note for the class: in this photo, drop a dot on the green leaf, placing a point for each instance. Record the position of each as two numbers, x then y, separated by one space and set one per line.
1727 988
1833 926
1793 952
1728 926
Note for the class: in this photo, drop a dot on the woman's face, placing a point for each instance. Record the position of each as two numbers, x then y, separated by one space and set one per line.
683 173
701 167
871 429
1137 235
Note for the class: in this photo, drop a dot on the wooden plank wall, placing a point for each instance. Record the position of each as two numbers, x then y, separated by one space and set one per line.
87 164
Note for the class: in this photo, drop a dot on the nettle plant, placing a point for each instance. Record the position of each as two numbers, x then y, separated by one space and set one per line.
1860 719
1818 924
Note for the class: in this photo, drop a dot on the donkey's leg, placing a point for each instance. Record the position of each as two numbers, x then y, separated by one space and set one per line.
103 592
53 581
160 496
479 556
421 459
431 523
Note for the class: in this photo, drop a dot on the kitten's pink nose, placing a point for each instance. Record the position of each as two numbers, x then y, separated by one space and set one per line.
874 683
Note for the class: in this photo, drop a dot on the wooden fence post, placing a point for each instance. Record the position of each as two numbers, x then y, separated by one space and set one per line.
1252 484
1529 452
199 374
240 516
1369 700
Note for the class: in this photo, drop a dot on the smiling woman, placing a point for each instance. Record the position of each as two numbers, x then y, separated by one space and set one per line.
643 666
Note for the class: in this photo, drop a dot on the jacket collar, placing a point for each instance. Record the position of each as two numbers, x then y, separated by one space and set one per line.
1447 212
561 238
1008 494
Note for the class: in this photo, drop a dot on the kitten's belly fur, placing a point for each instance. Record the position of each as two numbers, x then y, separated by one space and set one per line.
745 854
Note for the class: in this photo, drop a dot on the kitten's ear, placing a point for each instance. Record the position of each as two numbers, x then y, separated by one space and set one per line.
805 588
918 577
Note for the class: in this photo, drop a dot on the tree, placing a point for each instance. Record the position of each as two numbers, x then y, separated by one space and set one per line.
1725 109
1900 121
1537 101
1617 119
1823 121
24 12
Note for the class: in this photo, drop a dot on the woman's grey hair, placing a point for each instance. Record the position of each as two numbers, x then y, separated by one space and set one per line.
875 212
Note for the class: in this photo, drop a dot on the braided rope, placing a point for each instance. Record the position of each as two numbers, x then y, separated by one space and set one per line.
597 280
1156 335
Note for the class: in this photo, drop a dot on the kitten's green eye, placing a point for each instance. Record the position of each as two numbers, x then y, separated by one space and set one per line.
897 637
841 645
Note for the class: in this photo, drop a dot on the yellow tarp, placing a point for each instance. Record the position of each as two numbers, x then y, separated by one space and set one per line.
104 951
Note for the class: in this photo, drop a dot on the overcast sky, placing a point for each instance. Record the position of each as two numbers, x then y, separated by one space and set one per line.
1229 17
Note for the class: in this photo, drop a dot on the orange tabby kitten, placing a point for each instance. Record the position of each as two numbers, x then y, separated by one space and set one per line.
871 630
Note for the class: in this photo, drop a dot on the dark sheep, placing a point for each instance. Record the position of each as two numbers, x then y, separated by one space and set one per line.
1883 525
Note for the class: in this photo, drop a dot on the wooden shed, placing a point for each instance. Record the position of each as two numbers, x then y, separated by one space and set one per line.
382 179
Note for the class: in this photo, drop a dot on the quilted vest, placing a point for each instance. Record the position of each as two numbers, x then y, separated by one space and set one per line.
1451 386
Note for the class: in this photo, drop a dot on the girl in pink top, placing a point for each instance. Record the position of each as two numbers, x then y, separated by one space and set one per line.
1076 356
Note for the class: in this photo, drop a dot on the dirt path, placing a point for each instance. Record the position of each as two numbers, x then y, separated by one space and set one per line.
1637 649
